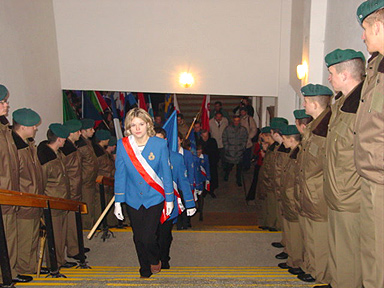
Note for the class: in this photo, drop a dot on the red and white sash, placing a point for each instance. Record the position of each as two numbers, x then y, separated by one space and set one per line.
180 205
145 170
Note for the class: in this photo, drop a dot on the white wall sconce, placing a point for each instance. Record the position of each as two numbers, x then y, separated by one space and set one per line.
302 70
186 79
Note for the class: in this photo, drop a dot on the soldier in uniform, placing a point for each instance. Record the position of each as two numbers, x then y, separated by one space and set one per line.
292 233
311 194
342 184
72 164
24 129
56 183
9 180
369 143
88 171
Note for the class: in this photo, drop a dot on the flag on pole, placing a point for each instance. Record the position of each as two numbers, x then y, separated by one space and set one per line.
176 104
141 100
204 117
150 108
68 112
116 121
167 106
101 100
92 97
90 111
171 128
118 97
192 140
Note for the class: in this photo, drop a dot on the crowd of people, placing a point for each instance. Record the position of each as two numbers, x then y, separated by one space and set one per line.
319 181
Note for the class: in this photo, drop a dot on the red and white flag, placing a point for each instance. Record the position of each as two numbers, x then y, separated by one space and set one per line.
141 100
204 119
175 104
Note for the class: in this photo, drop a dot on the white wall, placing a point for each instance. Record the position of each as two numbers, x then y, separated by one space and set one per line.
342 29
29 59
232 47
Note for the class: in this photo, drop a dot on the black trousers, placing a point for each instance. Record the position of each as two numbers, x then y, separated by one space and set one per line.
145 223
165 240
239 168
252 190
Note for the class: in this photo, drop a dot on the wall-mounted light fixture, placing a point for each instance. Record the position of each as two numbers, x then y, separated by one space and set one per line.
302 70
186 79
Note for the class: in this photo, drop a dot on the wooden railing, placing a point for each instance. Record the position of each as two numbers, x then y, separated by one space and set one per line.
14 198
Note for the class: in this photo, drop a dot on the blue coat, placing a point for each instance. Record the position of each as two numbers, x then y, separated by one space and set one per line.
179 175
130 187
189 164
200 178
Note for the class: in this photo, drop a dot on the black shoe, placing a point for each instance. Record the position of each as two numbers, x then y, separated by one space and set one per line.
264 227
86 250
277 245
272 229
22 279
68 265
284 265
323 286
296 271
77 257
165 265
44 271
306 278
281 255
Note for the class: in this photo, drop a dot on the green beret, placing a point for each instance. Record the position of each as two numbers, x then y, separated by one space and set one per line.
103 135
87 123
300 114
26 117
367 8
266 129
279 119
59 130
277 125
112 141
338 56
310 90
73 125
290 130
3 92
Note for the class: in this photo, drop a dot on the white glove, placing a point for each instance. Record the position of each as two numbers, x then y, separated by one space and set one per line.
191 211
199 192
169 207
118 211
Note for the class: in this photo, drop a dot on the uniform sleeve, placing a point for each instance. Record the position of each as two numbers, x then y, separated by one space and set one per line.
166 173
120 173
183 184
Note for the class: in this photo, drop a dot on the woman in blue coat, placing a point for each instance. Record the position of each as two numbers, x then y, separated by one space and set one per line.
143 180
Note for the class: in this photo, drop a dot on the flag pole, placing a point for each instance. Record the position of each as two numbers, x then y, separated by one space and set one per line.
193 123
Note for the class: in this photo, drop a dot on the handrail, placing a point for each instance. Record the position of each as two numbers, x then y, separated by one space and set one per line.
105 180
14 198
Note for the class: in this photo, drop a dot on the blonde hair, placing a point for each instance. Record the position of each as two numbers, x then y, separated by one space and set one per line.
143 115
378 15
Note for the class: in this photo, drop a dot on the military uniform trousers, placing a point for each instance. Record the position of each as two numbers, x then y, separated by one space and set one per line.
145 224
10 227
71 241
344 249
271 202
293 243
372 233
318 249
27 245
88 195
59 224
305 266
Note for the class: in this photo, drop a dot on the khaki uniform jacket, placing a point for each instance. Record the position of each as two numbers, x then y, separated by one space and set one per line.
281 159
55 176
264 183
288 186
250 124
31 174
72 162
311 180
103 161
9 164
341 180
88 163
369 128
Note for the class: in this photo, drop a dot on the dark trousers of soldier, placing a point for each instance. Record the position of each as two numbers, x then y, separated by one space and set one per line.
247 156
200 204
71 241
228 168
252 190
183 221
59 223
272 221
10 226
165 240
88 195
145 223
27 245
